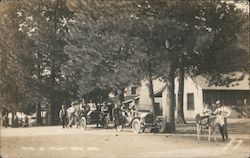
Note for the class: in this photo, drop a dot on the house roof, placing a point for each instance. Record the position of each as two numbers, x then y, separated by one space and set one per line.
242 83
126 98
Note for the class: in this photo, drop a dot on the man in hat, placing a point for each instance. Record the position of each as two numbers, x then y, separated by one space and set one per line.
222 113
117 115
63 115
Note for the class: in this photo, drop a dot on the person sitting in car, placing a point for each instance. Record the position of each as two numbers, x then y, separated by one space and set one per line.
132 110
92 107
104 108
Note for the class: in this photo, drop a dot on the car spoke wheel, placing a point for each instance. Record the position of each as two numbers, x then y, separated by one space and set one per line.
119 128
83 123
105 123
136 126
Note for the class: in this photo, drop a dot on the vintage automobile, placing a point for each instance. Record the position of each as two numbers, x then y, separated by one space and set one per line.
97 117
139 121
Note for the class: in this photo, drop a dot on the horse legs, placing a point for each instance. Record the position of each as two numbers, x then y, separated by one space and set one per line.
198 128
209 133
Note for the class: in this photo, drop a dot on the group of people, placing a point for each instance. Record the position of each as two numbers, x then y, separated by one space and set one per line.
16 122
124 110
222 113
73 113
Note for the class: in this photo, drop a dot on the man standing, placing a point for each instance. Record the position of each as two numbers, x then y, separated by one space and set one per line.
117 115
5 120
26 121
62 115
222 113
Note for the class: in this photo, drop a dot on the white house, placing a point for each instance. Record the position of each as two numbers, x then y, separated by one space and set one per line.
196 93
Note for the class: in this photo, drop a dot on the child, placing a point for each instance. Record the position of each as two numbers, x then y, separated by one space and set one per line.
205 113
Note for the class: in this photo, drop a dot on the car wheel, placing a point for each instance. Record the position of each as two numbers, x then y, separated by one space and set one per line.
83 123
136 126
105 123
119 128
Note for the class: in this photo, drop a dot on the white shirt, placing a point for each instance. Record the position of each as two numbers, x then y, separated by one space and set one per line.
222 113
92 106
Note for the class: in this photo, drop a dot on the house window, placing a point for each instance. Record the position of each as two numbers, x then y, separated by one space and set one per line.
158 111
190 101
133 90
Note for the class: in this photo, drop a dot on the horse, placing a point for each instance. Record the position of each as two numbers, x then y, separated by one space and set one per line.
211 124
73 114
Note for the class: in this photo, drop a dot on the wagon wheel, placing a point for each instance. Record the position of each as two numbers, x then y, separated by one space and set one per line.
160 126
83 123
136 126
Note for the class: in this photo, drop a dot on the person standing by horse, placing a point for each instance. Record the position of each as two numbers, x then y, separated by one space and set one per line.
71 113
222 113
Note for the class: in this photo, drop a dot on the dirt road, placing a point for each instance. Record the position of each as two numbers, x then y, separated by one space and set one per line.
44 142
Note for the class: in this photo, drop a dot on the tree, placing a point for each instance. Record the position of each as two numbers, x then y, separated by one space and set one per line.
11 70
44 23
100 53
162 34
194 32
224 22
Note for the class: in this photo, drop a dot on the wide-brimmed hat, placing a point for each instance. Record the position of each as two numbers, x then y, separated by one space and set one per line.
218 102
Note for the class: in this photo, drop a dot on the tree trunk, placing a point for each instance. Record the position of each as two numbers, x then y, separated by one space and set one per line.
168 103
52 98
1 116
12 117
53 67
38 115
51 113
151 94
120 95
180 112
52 94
